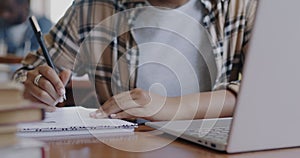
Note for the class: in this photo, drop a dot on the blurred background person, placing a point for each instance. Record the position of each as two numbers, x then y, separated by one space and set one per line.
16 33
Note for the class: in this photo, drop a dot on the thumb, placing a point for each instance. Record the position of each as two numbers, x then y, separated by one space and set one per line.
65 76
121 115
129 114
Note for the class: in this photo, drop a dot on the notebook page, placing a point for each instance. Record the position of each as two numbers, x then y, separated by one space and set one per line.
73 121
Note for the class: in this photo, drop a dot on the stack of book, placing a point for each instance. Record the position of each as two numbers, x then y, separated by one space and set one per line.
14 109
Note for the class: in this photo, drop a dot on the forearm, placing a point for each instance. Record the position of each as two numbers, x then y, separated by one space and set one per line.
198 106
215 104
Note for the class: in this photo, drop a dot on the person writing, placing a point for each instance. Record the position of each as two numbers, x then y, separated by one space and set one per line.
158 60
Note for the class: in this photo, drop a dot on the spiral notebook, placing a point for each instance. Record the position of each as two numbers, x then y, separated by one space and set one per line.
73 121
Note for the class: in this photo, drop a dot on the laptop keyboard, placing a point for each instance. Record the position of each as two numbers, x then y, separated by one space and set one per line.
219 134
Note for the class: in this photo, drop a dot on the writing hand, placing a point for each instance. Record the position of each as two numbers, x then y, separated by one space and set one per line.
48 89
138 103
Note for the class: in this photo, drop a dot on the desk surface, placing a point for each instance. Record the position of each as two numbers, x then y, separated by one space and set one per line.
10 59
145 143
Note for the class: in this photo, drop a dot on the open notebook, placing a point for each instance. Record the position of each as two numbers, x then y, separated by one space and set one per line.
72 121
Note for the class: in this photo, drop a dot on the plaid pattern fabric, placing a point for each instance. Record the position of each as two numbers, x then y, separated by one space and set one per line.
230 23
71 42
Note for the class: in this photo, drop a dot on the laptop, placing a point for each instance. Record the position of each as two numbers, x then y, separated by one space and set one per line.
267 111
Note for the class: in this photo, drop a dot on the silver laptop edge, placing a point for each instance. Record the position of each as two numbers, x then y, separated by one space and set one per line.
178 129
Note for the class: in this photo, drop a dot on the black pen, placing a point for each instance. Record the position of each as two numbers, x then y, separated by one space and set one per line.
39 36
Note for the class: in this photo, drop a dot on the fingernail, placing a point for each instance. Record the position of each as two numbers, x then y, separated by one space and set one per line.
93 114
113 115
61 99
62 91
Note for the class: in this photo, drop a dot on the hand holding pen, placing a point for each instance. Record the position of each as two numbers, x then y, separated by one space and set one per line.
44 84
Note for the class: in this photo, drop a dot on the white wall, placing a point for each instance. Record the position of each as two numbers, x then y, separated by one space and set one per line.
58 8
40 7
53 9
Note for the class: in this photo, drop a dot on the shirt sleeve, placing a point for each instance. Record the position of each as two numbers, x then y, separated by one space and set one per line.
233 82
234 85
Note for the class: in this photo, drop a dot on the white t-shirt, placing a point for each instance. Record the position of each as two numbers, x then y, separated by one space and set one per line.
171 43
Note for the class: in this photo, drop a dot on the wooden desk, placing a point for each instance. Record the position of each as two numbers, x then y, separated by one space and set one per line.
10 59
154 144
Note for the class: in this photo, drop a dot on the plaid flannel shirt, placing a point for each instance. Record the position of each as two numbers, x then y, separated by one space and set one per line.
71 40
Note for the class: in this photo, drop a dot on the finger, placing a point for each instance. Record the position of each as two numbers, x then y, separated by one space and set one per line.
32 91
129 114
39 103
109 103
31 76
123 97
65 76
98 114
109 107
42 96
115 108
120 102
44 84
47 87
51 75
117 100
121 115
